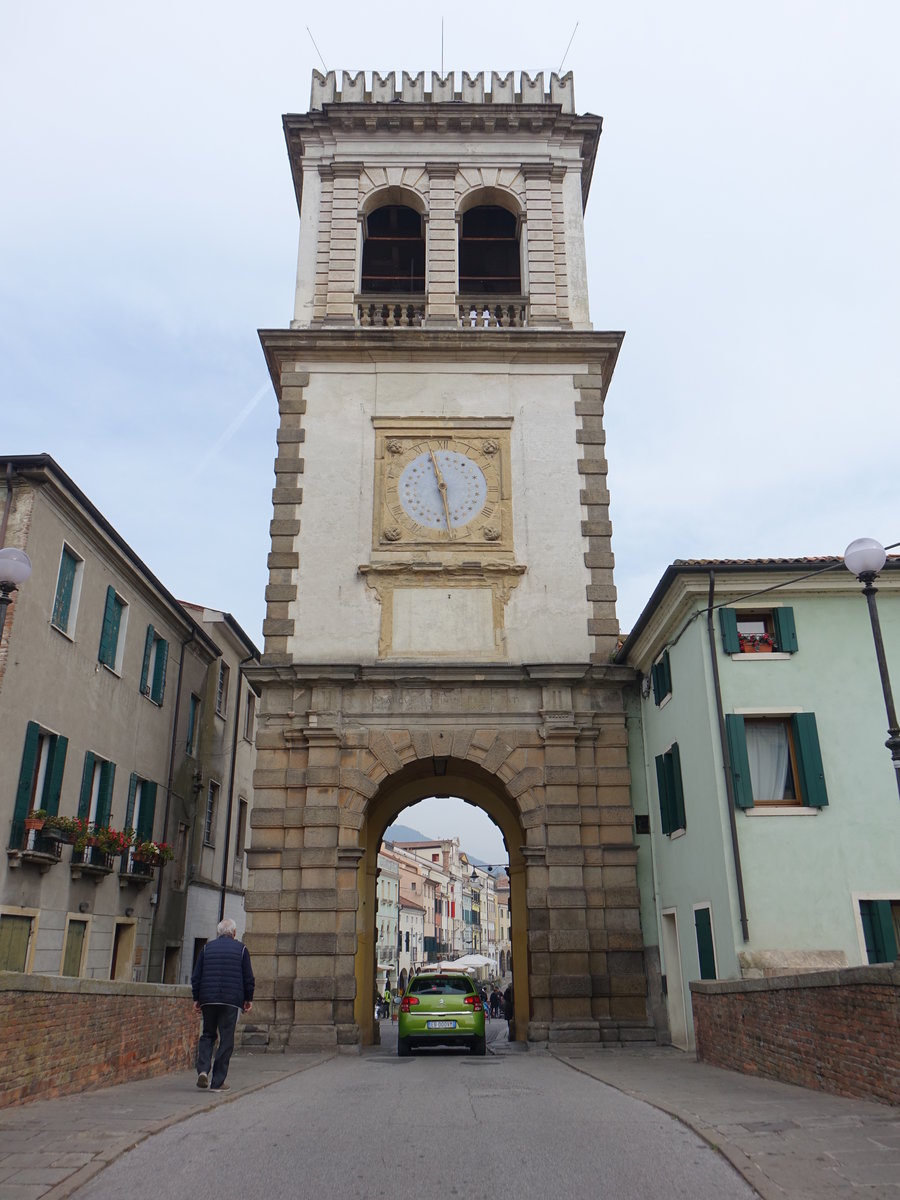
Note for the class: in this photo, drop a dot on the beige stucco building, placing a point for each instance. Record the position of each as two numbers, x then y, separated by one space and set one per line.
108 690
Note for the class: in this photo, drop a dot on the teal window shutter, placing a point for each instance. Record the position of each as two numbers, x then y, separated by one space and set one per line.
661 678
87 784
54 777
129 806
147 813
145 666
665 804
677 792
26 772
109 634
878 929
65 583
785 630
731 643
740 763
809 760
158 690
705 949
104 799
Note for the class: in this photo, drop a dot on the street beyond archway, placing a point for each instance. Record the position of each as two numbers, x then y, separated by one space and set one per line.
439 1124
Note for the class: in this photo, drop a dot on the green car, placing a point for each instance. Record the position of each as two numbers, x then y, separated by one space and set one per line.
440 1008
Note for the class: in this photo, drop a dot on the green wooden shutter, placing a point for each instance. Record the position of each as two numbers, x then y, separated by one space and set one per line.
147 812
109 634
158 689
145 666
129 806
878 930
665 803
74 948
54 777
809 760
87 783
26 772
657 683
64 584
731 643
740 763
678 816
661 678
785 630
104 799
705 950
15 934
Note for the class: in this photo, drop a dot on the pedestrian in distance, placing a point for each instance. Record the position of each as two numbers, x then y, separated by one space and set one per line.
223 985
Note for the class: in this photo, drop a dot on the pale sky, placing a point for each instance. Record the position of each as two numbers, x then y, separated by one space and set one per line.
742 229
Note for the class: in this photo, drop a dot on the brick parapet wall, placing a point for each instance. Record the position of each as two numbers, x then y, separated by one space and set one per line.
68 1035
837 1031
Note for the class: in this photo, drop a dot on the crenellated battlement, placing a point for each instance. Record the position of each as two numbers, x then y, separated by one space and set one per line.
384 89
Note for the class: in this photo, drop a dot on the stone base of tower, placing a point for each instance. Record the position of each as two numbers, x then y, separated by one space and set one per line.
542 750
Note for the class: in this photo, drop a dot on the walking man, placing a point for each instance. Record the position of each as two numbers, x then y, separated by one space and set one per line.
222 984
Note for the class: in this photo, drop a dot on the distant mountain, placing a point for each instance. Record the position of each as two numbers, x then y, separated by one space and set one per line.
403 833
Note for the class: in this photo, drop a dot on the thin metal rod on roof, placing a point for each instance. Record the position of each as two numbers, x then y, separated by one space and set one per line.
318 51
568 48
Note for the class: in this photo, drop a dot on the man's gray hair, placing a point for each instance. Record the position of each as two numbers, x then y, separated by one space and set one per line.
226 928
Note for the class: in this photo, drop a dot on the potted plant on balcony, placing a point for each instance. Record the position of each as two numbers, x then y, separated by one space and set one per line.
35 819
756 643
113 841
153 853
60 829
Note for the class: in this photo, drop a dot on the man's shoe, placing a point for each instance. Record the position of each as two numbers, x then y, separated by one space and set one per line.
223 1087
202 1080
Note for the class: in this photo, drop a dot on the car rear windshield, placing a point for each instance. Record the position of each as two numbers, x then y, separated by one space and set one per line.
441 985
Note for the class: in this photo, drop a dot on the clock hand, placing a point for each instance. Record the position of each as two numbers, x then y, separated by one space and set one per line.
442 488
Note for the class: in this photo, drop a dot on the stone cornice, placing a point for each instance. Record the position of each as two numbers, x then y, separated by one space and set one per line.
403 674
287 346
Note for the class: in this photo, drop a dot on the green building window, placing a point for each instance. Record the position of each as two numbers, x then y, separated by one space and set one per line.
112 633
758 631
40 776
776 760
671 791
68 591
881 929
706 950
153 670
661 678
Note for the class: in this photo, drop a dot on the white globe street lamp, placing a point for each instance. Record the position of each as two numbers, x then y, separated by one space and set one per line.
15 567
864 558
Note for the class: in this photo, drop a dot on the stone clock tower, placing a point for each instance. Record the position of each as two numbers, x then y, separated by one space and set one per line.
440 601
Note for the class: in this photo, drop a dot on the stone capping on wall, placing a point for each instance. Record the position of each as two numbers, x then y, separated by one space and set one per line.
63 1035
384 89
837 1031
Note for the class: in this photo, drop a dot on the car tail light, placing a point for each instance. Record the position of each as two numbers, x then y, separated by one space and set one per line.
407 1001
475 1001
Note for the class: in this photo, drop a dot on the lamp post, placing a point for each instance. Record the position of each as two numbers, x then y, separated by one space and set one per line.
15 567
864 558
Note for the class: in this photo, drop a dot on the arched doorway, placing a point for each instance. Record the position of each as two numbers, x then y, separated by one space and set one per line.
416 781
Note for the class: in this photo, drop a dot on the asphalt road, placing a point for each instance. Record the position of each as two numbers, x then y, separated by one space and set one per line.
440 1124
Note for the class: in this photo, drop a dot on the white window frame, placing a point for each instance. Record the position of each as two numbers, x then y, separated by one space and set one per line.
69 631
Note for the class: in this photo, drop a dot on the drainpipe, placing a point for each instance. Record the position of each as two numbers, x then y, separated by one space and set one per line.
8 505
169 783
234 739
726 760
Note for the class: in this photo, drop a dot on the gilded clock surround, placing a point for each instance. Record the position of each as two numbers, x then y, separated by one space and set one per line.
482 442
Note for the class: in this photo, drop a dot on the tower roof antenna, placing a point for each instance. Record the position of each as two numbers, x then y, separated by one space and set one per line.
568 48
319 52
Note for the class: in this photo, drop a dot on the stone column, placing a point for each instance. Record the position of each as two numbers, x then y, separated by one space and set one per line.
541 254
342 254
442 246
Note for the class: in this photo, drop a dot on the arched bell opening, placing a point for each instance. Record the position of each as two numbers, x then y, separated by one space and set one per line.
415 782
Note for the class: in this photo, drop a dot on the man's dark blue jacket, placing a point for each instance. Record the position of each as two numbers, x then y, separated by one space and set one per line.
223 974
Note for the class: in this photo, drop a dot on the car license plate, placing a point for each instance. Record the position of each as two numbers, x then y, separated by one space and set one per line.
441 1024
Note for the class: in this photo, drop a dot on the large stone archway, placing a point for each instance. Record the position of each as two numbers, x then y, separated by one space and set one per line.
542 750
416 781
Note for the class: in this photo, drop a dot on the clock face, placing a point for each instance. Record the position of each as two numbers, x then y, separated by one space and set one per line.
442 489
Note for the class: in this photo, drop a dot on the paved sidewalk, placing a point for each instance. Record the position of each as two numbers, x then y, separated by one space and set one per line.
786 1141
51 1147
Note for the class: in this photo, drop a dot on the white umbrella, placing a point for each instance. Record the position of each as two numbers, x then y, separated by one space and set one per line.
474 960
